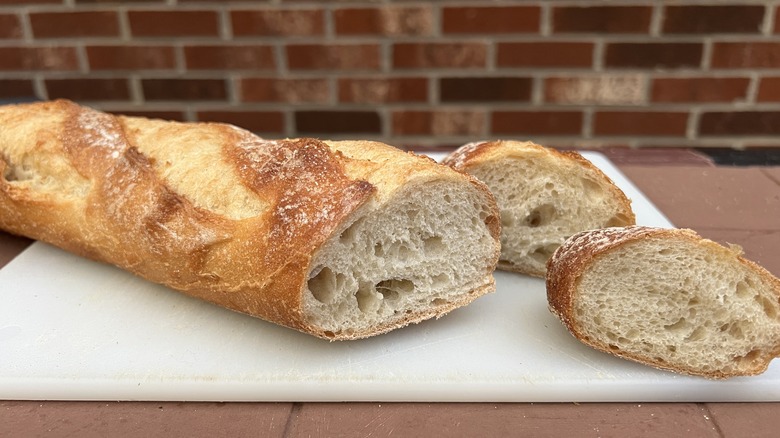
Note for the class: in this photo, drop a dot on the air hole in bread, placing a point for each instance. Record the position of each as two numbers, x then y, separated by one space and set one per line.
507 219
393 289
680 325
751 356
434 245
770 307
542 253
368 299
618 220
592 188
743 290
439 302
540 216
325 284
697 334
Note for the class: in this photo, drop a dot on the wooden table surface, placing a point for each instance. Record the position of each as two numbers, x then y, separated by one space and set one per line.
732 204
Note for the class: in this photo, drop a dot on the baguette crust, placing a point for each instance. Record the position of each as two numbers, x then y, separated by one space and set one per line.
81 180
578 253
468 158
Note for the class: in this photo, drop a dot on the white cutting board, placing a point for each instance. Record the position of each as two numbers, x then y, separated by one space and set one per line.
72 329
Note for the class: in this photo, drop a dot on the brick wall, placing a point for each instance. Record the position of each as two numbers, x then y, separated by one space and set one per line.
576 73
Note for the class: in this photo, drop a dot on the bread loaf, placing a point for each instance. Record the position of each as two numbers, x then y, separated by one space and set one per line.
667 298
341 240
544 197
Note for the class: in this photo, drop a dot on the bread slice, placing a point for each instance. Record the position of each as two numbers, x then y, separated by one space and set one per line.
544 196
667 298
341 240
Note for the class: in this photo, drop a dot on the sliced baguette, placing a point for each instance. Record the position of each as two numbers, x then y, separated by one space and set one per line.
667 298
544 196
341 240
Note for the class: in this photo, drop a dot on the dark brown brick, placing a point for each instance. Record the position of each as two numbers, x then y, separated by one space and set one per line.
115 2
184 89
38 58
485 89
491 19
602 19
302 90
653 55
10 26
706 19
673 124
74 24
379 90
88 89
440 122
537 122
337 122
278 22
180 23
769 89
699 89
15 88
740 123
746 55
150 113
545 54
27 2
333 57
131 57
229 57
388 21
439 55
255 121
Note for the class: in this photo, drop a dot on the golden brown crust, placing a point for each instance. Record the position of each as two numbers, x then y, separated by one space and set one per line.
111 203
573 258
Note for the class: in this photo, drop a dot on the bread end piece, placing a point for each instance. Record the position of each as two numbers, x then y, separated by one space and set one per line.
544 196
667 298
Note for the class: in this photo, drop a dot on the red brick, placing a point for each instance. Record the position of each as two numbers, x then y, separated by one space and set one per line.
537 122
706 19
439 55
337 122
605 89
769 89
333 57
440 122
491 19
285 90
10 26
601 19
388 21
255 121
746 55
278 22
74 24
740 123
184 89
27 2
653 55
640 123
545 54
92 2
180 23
131 57
38 58
485 89
88 89
699 89
229 57
378 90
14 88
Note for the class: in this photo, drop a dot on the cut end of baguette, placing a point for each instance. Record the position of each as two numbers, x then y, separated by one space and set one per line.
544 196
426 252
669 299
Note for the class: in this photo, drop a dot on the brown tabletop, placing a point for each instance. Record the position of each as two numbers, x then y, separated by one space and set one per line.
739 205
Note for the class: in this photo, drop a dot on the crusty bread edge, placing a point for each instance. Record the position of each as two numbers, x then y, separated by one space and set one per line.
569 262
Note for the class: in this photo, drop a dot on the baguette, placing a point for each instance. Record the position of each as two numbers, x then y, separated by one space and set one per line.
667 298
340 240
544 197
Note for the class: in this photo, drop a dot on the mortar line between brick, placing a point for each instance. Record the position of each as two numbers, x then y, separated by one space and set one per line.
545 19
24 21
711 419
124 24
656 18
769 20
